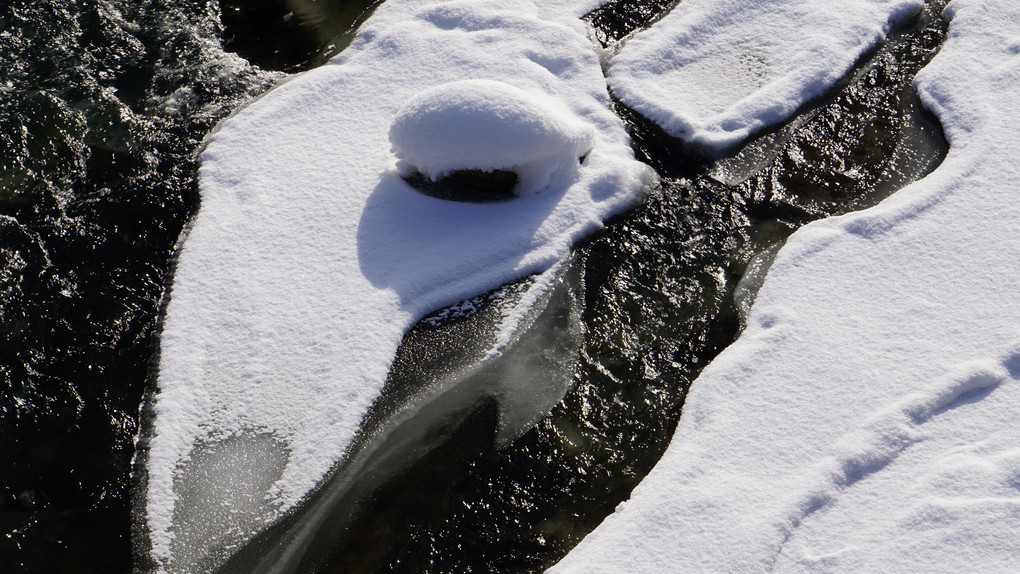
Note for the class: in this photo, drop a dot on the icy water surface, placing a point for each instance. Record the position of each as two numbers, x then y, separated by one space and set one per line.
104 106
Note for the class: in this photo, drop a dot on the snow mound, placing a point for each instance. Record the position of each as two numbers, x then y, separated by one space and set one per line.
489 125
713 72
865 421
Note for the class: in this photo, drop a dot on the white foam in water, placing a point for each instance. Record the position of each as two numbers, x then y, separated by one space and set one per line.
866 420
311 256
713 72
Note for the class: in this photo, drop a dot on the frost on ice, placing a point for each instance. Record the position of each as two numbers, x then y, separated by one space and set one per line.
866 419
488 126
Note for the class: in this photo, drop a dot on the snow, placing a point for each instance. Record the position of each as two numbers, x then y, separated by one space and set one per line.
712 72
488 125
311 256
865 421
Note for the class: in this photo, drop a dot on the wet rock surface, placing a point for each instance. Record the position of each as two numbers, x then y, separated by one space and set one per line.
472 185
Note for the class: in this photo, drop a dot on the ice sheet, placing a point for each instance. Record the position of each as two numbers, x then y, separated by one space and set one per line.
866 419
310 256
712 72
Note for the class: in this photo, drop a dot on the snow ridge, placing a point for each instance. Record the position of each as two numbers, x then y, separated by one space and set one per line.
883 438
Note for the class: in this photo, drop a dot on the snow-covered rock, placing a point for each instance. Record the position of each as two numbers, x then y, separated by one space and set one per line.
488 125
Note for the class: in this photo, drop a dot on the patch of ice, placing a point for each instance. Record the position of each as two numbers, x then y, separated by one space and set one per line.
712 72
232 477
311 256
866 419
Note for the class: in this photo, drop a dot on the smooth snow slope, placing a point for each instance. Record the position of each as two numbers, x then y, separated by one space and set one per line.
867 419
715 71
310 256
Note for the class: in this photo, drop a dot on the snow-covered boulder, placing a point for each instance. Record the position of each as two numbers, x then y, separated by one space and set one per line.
489 126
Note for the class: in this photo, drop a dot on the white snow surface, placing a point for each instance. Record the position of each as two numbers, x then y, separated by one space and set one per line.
713 72
310 256
488 125
866 420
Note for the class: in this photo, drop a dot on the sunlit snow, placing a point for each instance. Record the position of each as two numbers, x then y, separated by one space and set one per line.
488 125
715 71
866 419
311 256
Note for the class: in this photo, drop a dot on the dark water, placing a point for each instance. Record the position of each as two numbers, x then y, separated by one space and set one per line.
103 107
618 18
291 35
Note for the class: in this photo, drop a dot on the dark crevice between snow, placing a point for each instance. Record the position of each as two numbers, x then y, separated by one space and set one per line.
663 288
615 20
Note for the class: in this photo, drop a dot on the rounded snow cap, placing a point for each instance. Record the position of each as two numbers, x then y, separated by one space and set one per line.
491 127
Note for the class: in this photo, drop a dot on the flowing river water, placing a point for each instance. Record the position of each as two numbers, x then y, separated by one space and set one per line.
104 107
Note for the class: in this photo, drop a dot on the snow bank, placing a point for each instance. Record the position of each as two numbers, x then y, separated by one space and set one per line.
488 125
310 256
713 72
866 419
